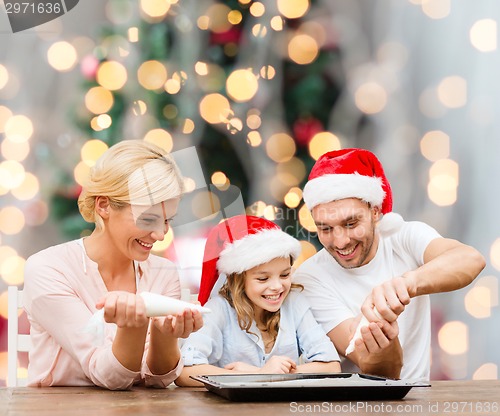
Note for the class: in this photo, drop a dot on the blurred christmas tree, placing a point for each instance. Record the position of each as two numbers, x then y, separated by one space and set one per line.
250 84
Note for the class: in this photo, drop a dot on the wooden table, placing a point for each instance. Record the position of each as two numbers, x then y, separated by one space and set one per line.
473 398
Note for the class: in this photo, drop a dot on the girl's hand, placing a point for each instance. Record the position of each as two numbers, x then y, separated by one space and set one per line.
180 325
124 309
278 364
242 367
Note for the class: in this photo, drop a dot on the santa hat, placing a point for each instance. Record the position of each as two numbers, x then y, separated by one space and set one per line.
240 243
352 173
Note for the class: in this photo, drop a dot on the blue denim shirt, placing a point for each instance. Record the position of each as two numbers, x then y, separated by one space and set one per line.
221 340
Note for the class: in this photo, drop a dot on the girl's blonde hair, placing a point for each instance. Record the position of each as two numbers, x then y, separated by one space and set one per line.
233 291
132 172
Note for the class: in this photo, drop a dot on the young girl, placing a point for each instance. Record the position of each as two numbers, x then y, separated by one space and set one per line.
260 322
132 193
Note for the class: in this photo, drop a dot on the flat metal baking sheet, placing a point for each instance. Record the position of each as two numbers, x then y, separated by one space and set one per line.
303 387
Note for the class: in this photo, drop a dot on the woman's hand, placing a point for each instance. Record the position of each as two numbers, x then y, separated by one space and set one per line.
180 325
124 309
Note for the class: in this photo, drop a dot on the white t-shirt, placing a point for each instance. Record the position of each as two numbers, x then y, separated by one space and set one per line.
336 294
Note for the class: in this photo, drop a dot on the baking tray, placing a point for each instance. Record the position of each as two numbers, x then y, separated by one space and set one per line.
303 387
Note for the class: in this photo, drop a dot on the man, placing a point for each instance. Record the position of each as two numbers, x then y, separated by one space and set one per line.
375 263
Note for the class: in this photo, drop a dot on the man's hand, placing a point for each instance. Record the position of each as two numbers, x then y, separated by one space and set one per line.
390 299
378 351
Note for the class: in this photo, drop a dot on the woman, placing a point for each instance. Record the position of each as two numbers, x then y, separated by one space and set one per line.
132 194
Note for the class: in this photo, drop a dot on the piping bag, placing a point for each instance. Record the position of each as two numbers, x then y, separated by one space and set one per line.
156 305
357 333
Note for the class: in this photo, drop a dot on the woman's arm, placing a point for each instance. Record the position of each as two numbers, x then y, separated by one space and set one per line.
163 353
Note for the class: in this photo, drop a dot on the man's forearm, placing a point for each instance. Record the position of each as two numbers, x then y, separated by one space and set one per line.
449 265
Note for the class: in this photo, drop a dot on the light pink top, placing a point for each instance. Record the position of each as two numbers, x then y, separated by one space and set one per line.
61 288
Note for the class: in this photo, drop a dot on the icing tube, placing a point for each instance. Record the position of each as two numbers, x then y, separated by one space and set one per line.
357 333
159 305
156 305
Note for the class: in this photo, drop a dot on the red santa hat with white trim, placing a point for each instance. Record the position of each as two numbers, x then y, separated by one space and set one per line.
240 243
352 173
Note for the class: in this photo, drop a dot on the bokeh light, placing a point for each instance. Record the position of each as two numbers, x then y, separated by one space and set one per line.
257 9
28 189
443 183
81 173
303 49
11 220
452 92
152 75
4 76
217 18
133 34
370 98
257 208
161 138
156 9
487 371
453 338
242 85
214 107
99 100
267 72
139 108
188 126
234 17
254 121
323 142
435 145
483 35
495 254
14 151
280 147
5 114
277 23
12 270
92 150
293 197
205 204
307 250
478 302
259 30
436 9
112 75
293 9
306 220
62 56
18 128
36 213
12 174
254 138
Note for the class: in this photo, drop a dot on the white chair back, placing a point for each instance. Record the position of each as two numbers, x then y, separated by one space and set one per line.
16 342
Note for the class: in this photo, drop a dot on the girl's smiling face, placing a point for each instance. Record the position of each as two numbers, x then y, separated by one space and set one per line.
268 284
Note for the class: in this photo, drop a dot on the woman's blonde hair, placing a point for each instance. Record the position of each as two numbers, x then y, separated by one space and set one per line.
132 172
233 291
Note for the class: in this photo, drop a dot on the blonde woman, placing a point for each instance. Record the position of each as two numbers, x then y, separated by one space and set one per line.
260 322
132 194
